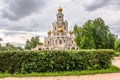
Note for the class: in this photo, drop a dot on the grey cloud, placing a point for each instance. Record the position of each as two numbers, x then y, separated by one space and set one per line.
22 33
11 33
32 26
17 9
101 3
115 28
21 28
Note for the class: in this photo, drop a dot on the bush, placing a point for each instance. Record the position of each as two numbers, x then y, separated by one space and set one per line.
52 61
117 45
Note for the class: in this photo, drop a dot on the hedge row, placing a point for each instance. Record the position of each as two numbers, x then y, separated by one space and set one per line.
49 61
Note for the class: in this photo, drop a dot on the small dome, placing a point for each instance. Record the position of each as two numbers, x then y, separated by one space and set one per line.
71 32
59 9
60 29
49 32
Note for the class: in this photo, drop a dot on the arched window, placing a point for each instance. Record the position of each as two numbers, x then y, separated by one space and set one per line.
39 49
47 48
73 48
48 42
59 16
68 48
77 48
60 41
55 28
64 41
72 42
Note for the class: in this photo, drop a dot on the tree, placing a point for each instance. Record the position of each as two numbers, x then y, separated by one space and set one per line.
33 42
28 45
117 45
94 34
0 41
10 47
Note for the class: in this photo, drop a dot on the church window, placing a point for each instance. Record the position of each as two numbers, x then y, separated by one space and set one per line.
64 41
60 41
47 48
59 16
72 42
55 28
48 42
68 48
39 49
73 48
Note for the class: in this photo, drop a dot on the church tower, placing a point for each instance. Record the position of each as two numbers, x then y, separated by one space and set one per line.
60 27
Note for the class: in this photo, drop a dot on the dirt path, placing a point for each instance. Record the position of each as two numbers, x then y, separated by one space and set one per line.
109 76
116 61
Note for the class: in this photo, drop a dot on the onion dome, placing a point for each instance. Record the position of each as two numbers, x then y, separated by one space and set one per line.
60 29
49 32
59 9
71 32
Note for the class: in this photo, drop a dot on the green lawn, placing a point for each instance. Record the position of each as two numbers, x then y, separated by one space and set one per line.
65 73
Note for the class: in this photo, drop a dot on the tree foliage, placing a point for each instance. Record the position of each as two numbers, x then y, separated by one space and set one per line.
94 34
33 42
117 45
0 41
10 47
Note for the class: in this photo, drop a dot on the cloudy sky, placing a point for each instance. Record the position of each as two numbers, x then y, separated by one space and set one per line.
22 19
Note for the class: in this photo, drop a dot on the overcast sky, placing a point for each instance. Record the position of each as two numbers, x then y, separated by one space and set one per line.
22 19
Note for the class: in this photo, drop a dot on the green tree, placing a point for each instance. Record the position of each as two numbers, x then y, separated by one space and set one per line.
28 45
0 42
94 34
33 42
0 39
117 45
10 47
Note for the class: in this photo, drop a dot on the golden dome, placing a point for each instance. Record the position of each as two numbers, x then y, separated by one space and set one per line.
60 9
71 32
60 29
49 32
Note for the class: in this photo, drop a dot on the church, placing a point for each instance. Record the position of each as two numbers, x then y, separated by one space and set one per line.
59 38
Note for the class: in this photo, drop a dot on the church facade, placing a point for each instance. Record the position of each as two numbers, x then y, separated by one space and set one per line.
59 38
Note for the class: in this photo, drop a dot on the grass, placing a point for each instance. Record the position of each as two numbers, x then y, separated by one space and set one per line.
112 69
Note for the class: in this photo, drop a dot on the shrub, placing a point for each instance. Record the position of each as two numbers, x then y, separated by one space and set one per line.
117 45
52 61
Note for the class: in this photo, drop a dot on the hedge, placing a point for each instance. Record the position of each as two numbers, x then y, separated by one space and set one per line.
53 61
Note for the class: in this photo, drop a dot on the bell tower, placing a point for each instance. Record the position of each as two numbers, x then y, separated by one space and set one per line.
59 14
60 27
